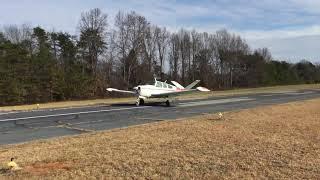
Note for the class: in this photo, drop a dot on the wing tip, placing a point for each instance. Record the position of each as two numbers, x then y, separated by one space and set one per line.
110 89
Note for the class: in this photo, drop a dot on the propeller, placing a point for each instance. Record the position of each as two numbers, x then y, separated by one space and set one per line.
137 89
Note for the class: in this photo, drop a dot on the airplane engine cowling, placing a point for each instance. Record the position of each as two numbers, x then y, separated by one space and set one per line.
144 92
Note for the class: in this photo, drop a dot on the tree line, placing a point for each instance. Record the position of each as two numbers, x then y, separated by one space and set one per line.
41 66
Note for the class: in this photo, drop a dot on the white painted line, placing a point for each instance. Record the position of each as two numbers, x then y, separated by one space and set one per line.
68 114
298 93
268 95
218 101
6 113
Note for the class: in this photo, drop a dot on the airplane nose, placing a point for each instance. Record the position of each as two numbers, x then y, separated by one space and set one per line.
137 89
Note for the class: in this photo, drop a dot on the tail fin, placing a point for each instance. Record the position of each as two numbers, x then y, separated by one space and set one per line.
190 86
177 85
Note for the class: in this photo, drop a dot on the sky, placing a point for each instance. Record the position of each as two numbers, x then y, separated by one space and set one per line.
289 28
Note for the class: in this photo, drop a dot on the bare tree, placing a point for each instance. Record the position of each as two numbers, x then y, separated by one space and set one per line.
149 48
135 46
195 48
228 50
264 53
185 45
93 26
161 37
174 56
17 34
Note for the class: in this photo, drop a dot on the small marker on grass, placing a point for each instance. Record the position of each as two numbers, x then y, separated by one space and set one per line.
13 165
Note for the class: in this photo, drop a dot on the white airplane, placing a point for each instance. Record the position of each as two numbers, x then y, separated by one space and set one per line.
160 90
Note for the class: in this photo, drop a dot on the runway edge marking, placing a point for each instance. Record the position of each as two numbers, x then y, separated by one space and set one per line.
217 101
70 114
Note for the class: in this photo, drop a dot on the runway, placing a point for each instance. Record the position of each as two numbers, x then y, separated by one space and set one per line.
18 127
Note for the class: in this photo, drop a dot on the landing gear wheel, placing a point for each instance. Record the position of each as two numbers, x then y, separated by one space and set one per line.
139 102
168 103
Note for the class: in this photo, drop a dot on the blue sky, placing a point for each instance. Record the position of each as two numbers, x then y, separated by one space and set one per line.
290 28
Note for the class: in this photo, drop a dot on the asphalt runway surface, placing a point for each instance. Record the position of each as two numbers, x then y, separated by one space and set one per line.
19 127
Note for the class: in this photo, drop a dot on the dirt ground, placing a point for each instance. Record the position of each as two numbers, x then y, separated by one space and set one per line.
273 142
197 95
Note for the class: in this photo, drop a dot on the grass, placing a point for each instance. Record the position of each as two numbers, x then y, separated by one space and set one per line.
66 104
272 142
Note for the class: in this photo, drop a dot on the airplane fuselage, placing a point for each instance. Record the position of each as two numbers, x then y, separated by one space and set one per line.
146 91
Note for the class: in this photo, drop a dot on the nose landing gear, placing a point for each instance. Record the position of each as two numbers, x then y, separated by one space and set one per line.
139 102
168 102
171 102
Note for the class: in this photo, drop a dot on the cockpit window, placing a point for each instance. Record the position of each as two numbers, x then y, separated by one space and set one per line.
158 84
170 86
165 85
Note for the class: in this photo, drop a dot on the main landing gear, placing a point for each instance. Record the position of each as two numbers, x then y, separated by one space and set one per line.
168 102
139 102
171 102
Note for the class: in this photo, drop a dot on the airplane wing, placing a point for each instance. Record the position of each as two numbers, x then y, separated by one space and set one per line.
121 91
178 93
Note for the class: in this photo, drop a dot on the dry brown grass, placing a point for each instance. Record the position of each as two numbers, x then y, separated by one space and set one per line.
273 142
201 95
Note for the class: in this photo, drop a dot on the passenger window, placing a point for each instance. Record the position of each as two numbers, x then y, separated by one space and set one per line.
165 85
170 86
158 84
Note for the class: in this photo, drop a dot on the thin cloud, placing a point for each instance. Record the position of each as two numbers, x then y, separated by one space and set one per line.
255 20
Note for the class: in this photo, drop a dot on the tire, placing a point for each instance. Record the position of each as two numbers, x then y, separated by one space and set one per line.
168 103
141 102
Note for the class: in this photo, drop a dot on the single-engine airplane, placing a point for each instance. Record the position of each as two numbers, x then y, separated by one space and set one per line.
160 90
